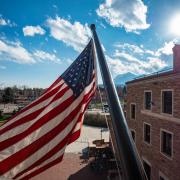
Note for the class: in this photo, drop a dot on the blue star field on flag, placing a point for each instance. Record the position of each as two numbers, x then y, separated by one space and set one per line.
80 73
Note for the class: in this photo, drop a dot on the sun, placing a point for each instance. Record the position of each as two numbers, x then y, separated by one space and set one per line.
175 25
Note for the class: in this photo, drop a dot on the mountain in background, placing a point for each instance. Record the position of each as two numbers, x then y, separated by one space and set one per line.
121 79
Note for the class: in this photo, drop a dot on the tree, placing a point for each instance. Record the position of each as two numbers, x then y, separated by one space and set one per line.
8 95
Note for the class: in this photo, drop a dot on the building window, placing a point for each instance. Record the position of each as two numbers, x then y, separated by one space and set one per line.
147 133
166 143
147 100
133 134
147 169
133 111
167 101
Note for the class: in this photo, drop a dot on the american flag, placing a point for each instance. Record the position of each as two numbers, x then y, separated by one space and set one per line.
35 139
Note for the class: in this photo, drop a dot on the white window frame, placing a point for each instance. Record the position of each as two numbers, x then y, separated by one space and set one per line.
132 130
144 105
167 114
150 133
163 176
165 155
145 160
131 109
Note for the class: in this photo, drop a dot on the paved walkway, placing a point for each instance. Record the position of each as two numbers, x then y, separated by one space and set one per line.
88 134
71 168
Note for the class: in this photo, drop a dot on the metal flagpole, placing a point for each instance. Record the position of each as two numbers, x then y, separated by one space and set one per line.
130 162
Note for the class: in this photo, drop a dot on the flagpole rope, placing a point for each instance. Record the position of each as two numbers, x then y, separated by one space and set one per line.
119 173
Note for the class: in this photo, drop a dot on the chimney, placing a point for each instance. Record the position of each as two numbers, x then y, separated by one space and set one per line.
176 58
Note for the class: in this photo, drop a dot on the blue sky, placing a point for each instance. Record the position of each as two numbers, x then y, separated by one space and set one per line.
40 39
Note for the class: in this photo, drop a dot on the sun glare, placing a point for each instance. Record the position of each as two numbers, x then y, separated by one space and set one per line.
175 25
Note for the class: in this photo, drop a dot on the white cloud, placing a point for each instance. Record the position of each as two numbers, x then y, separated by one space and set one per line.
117 66
130 14
155 63
103 48
74 34
138 59
69 61
122 63
166 49
2 67
102 25
6 22
125 56
14 51
32 30
131 47
150 52
42 55
3 22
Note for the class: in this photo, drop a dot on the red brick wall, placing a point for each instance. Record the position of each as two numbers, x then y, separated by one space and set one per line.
135 94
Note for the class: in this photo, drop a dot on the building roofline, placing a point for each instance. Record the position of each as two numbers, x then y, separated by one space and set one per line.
152 76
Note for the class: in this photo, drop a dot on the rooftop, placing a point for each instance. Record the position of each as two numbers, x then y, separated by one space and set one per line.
163 72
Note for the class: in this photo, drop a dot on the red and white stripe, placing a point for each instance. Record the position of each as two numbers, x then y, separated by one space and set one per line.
35 139
32 108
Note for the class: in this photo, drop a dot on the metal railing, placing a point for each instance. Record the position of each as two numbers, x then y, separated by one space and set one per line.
154 73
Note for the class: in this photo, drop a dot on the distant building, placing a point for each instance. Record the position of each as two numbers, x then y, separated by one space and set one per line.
101 94
153 115
21 100
22 95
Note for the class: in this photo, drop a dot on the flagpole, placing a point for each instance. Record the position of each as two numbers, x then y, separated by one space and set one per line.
130 162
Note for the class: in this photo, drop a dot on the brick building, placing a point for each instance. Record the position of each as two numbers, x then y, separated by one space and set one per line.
153 116
97 99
